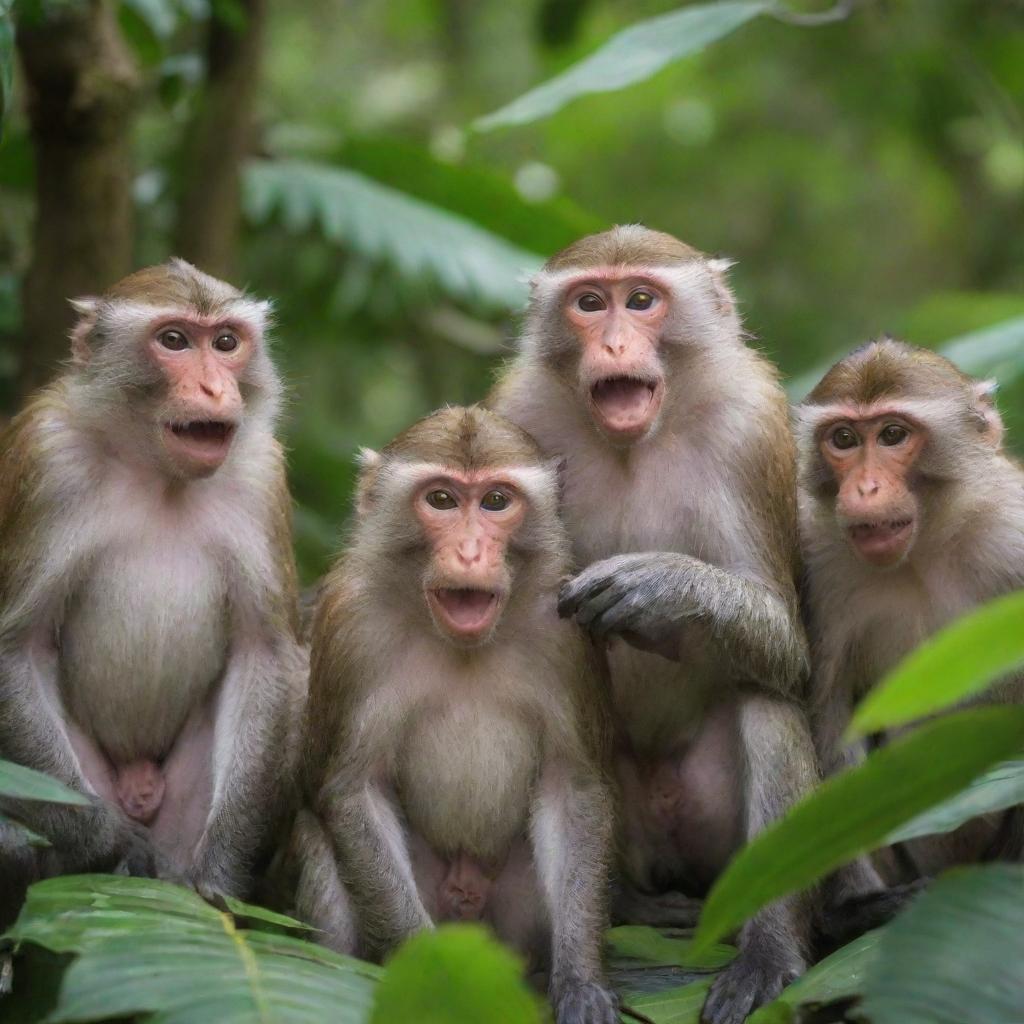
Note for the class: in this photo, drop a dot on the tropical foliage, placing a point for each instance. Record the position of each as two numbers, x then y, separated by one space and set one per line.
404 168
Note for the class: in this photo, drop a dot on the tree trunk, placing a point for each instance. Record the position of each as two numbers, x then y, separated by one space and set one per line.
82 82
209 216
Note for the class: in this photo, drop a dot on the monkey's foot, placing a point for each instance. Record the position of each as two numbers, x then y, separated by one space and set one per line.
671 909
587 1003
855 915
750 981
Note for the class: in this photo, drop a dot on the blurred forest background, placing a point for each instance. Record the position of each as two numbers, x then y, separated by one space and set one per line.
867 173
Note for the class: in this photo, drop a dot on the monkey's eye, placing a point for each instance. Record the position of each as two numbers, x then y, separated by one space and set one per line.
441 500
640 300
590 303
225 343
495 501
174 340
843 438
892 434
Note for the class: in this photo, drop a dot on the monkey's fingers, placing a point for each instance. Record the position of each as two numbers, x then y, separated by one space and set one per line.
589 608
593 580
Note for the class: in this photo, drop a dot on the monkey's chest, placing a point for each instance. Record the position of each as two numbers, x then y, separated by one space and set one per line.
143 641
465 775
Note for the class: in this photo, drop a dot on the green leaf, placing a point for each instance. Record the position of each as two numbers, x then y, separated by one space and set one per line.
418 242
855 811
961 660
997 790
630 56
680 1005
253 913
839 975
453 975
955 955
26 784
639 943
480 194
996 351
150 947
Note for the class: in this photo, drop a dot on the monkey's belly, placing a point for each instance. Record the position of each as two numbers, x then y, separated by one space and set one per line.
682 811
465 778
144 640
660 704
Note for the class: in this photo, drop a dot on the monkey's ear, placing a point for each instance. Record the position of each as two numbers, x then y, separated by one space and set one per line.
369 461
87 309
985 406
719 267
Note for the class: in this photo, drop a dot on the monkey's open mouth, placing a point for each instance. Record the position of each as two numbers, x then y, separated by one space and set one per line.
203 442
883 542
626 404
465 611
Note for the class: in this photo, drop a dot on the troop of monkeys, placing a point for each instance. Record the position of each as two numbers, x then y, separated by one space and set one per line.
561 669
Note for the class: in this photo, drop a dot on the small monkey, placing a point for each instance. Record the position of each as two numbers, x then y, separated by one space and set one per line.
455 729
679 494
911 514
148 610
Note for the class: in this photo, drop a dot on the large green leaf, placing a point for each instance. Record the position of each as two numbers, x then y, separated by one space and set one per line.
454 975
996 351
414 240
962 659
997 790
25 784
956 955
150 947
474 191
628 57
855 811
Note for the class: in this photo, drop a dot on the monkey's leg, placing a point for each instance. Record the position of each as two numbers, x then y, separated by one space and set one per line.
780 768
250 725
188 793
679 820
321 898
571 836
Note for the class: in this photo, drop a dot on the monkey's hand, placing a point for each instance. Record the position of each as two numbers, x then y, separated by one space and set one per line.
585 1003
645 598
754 978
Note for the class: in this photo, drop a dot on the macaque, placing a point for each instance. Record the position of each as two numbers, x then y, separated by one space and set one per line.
148 607
456 730
911 514
679 494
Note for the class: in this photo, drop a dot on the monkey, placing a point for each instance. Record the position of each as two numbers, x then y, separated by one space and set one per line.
911 514
679 494
456 732
148 600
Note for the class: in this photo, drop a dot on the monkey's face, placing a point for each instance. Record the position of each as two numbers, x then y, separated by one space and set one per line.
872 457
617 317
201 364
468 521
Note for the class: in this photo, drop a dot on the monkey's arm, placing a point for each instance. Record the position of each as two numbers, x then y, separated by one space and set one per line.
571 830
252 758
34 574
649 597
